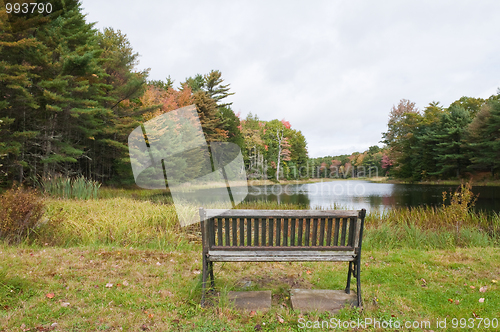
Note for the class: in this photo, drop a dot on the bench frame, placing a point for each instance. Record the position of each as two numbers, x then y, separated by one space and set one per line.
282 236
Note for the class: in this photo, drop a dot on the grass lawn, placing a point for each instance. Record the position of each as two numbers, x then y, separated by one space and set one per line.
98 288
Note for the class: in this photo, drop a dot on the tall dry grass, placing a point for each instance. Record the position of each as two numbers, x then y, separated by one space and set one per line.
117 221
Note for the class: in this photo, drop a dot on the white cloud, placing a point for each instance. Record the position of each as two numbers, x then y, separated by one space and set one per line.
333 69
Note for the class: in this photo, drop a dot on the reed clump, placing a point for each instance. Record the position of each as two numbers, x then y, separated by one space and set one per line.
65 187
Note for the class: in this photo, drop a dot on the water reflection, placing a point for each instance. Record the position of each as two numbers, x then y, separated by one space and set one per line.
364 194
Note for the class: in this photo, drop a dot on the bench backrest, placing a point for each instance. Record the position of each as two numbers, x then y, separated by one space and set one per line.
282 229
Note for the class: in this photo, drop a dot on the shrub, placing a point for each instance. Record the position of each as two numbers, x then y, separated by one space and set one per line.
461 203
21 210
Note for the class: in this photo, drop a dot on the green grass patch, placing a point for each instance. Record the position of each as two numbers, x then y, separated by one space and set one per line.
94 289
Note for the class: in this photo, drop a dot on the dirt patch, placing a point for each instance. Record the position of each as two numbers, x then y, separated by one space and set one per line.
280 286
273 282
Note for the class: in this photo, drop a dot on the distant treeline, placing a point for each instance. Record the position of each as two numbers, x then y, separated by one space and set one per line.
70 96
373 162
436 143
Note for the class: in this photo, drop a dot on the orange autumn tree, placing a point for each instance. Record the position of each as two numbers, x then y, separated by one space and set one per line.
163 101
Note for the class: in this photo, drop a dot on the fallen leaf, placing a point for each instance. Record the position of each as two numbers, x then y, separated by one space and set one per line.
158 263
109 285
472 287
65 304
474 314
481 300
308 272
252 313
125 283
450 300
457 302
257 327
280 319
50 295
483 289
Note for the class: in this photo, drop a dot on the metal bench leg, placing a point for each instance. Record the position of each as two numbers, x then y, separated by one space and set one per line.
358 283
211 269
349 272
204 280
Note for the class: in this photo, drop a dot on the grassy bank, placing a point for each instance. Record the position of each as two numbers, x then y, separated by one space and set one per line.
147 222
479 181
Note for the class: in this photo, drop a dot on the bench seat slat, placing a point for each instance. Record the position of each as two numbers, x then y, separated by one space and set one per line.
242 231
344 231
282 248
329 232
336 232
315 231
219 230
322 232
280 256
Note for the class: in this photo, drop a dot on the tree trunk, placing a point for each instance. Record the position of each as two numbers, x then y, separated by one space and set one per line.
279 138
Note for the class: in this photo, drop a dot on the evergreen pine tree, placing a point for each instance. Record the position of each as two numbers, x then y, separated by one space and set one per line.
450 154
483 138
19 60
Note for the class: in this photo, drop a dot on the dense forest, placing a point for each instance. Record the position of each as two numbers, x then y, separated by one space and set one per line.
433 143
72 95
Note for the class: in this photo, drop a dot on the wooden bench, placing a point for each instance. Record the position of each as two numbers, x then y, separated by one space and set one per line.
282 236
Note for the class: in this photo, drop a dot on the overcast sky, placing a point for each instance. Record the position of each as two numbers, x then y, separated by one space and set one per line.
332 68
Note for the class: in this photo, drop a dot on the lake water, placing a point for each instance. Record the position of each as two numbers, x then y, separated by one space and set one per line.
357 194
